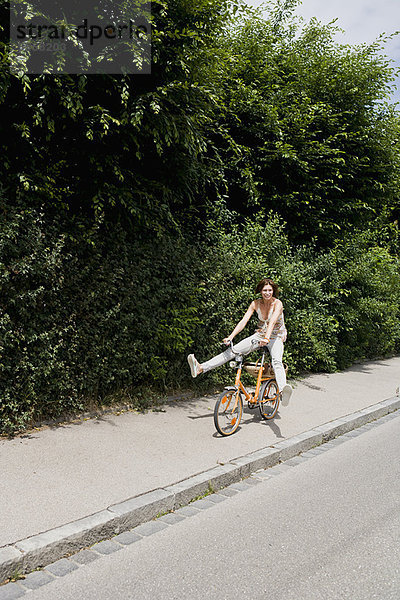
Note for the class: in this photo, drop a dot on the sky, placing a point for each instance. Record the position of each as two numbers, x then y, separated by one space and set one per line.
362 20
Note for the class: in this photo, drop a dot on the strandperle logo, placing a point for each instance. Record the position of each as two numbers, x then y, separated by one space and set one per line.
85 31
72 37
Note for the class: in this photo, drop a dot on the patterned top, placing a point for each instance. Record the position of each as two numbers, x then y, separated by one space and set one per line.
279 330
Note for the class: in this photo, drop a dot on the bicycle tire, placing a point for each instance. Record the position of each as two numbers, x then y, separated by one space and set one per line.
227 416
269 399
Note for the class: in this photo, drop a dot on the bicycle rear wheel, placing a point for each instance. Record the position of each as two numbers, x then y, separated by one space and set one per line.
228 412
269 399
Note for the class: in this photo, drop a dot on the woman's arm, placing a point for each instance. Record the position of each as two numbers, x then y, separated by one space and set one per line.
278 308
242 323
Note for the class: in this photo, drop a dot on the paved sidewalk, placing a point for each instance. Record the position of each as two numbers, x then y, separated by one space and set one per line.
58 475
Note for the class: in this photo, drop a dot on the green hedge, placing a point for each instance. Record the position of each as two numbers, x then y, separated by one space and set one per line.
87 322
83 322
340 306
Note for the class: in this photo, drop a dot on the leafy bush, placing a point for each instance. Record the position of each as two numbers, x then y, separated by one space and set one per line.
340 306
83 322
365 299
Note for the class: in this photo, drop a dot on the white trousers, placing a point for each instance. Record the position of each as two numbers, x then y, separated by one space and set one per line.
246 346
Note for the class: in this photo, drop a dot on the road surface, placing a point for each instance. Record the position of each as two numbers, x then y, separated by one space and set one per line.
327 528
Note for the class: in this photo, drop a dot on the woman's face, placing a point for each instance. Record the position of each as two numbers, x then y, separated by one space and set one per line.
267 292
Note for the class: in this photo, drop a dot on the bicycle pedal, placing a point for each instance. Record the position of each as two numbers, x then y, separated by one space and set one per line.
252 405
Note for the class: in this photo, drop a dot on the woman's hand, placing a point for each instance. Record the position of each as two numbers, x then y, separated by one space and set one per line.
227 341
264 342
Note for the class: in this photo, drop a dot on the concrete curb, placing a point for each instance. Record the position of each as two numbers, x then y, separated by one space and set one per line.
42 549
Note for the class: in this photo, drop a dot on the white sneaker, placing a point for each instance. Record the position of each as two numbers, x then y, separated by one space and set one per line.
286 393
193 364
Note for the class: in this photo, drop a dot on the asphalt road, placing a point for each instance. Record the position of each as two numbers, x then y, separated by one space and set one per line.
328 528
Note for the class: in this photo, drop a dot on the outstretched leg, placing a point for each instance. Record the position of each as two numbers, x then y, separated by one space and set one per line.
243 347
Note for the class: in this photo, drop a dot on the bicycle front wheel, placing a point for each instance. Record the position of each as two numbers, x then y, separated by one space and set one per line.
228 412
269 399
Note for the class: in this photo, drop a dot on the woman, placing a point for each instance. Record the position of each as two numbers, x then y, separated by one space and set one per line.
271 332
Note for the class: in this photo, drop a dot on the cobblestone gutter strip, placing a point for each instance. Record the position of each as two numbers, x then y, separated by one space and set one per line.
45 548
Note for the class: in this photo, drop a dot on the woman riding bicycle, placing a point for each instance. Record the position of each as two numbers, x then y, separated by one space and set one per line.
271 332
